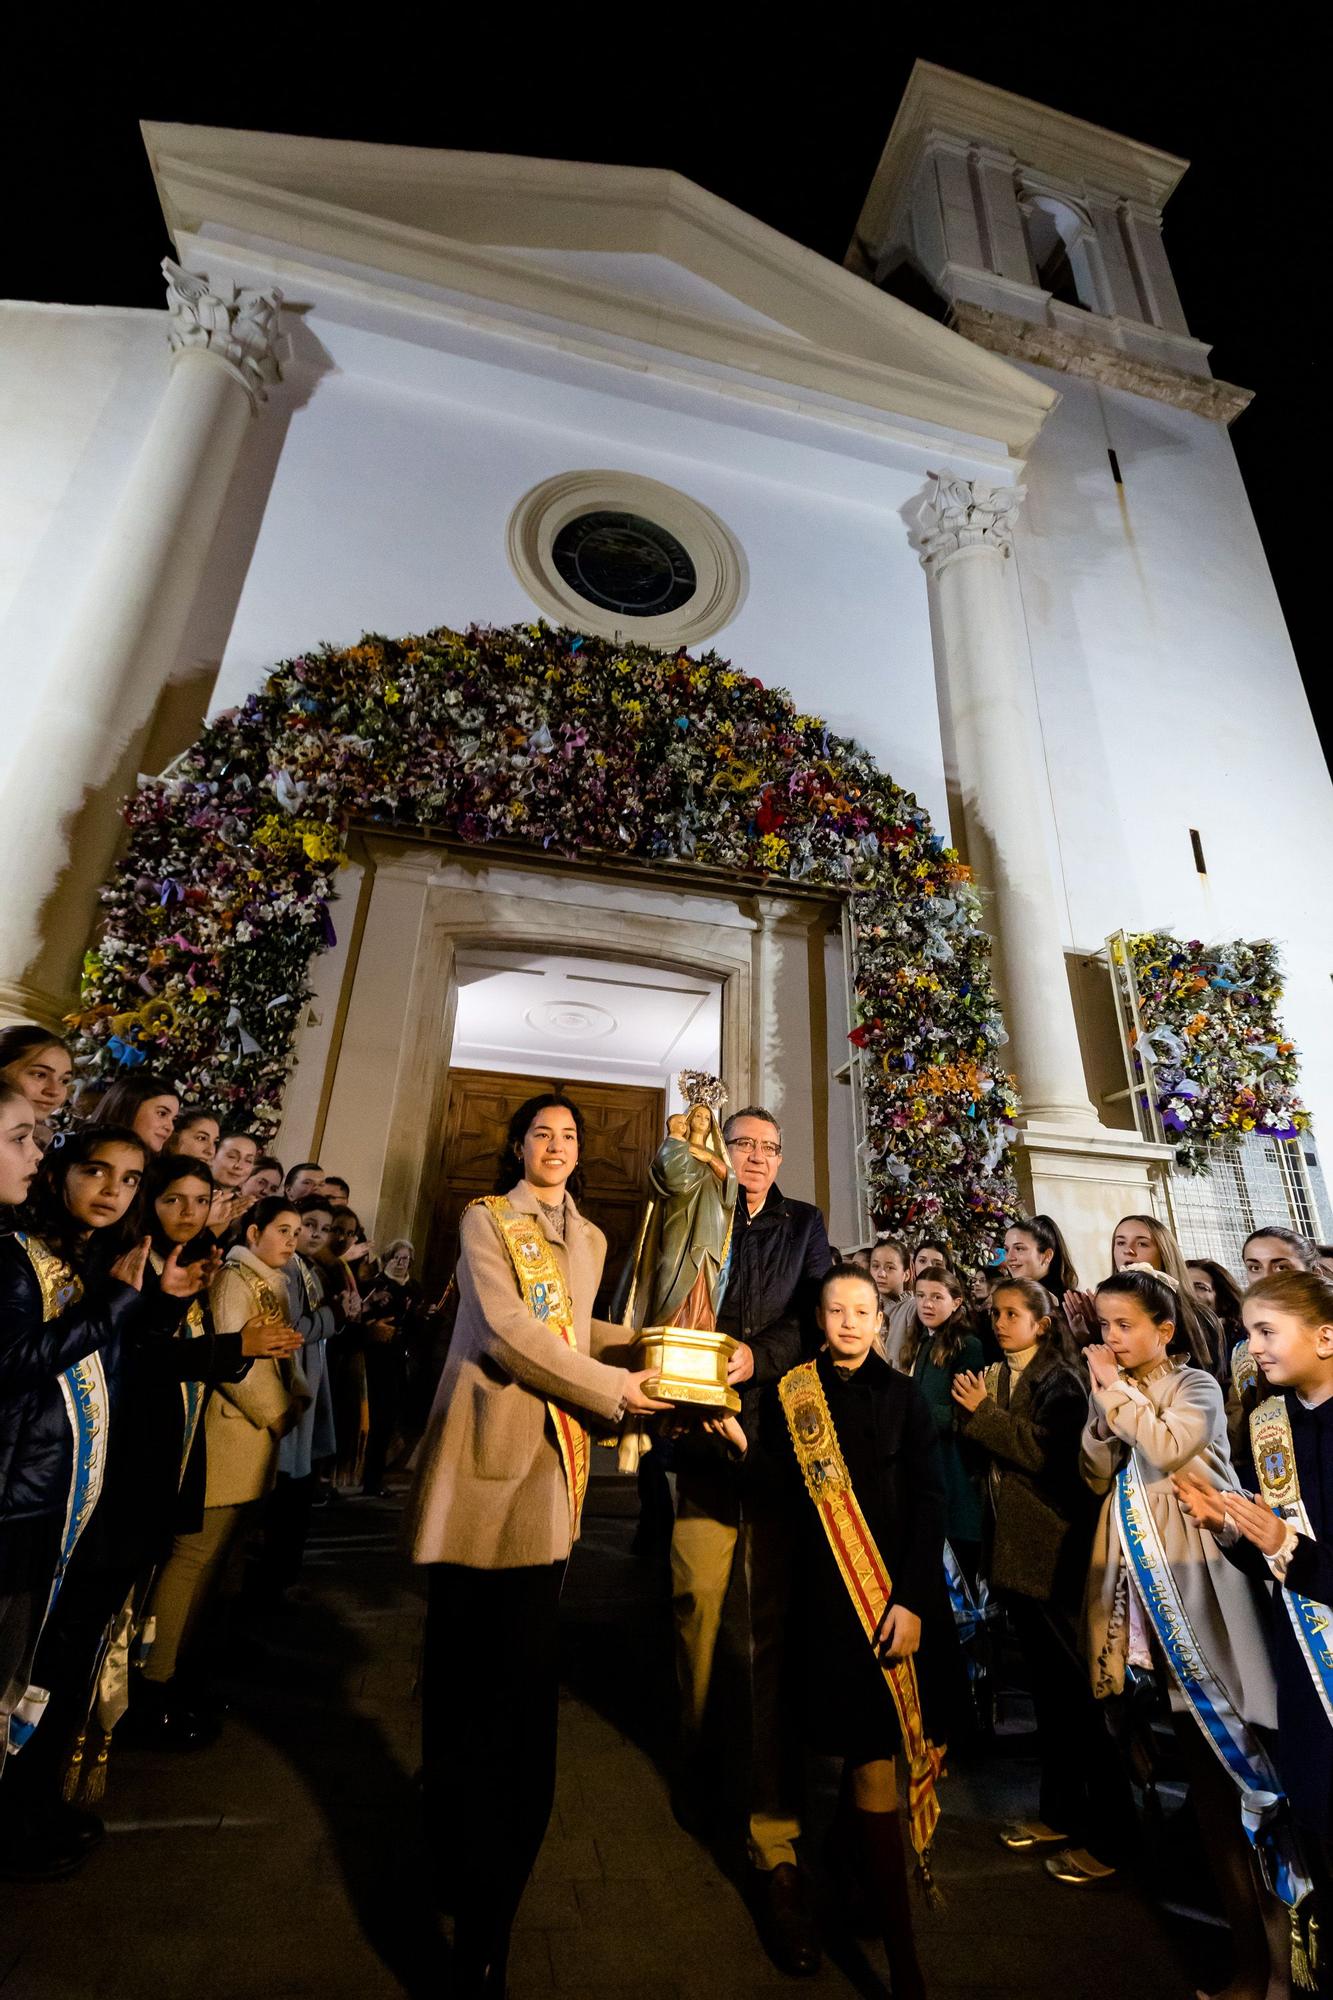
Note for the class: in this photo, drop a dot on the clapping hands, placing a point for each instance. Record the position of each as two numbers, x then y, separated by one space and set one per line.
1215 1509
265 1337
1102 1366
130 1266
1080 1310
186 1281
969 1390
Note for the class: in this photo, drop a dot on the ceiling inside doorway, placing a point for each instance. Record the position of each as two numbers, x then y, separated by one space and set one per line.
596 1019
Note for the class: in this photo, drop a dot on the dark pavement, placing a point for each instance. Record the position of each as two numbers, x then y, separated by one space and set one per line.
284 1861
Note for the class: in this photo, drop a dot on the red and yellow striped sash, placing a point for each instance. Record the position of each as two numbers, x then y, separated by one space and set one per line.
868 1584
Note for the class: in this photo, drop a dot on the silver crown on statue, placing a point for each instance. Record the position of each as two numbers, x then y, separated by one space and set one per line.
696 1086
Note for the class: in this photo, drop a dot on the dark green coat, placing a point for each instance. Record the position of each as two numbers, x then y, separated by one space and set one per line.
962 1496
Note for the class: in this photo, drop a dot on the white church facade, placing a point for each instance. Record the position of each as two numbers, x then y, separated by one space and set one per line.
1012 555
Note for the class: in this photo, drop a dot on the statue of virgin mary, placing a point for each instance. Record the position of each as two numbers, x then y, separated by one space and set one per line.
680 1263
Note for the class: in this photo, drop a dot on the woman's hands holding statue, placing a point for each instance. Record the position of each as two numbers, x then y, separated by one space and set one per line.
637 1404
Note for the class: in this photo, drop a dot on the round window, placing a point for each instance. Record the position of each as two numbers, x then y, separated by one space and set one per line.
624 562
627 558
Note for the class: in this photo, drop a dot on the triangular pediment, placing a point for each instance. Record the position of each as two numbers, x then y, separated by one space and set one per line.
636 252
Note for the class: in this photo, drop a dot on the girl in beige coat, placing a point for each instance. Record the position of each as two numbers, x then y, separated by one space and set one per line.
494 1514
243 1422
1147 1404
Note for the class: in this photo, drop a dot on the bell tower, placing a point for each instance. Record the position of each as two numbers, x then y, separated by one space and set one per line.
1037 236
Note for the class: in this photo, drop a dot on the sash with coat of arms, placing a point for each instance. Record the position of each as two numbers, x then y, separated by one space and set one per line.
1279 1482
546 1296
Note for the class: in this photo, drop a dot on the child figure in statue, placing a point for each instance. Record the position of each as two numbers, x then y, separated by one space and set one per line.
679 1269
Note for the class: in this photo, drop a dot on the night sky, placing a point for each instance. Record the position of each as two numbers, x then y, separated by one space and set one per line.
792 135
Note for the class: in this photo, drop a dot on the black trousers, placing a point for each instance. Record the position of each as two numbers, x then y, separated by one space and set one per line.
286 1529
96 1584
384 1392
1084 1790
490 1697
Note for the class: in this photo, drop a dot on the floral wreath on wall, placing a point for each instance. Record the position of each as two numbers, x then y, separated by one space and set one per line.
1221 1066
578 746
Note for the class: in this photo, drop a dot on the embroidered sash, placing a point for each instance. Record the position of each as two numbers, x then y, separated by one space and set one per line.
1275 1468
193 1394
1238 1748
270 1306
83 1391
868 1584
310 1285
266 1299
547 1298
1244 1369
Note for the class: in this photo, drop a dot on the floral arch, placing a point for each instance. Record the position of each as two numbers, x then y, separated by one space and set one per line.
577 746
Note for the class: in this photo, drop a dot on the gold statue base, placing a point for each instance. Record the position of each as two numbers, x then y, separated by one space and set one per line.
688 1365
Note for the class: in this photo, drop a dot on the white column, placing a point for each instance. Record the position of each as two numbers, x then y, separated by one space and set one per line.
1010 256
966 538
1122 298
1142 228
59 821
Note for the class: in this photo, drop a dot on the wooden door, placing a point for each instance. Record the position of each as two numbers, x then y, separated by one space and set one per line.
623 1127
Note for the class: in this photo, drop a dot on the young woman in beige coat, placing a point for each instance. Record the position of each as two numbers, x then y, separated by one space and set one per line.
494 1514
1152 1411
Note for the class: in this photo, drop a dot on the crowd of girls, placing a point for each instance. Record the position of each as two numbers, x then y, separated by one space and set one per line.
192 1342
1139 1472
1113 1440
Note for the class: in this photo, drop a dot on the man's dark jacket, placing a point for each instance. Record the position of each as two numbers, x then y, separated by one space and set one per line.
778 1261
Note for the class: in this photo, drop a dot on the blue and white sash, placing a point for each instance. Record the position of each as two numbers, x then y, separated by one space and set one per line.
968 1614
1237 1747
84 1393
1244 1369
1275 1468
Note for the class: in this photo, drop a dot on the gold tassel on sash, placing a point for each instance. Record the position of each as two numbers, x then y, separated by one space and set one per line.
546 1297
69 1790
1304 1953
863 1571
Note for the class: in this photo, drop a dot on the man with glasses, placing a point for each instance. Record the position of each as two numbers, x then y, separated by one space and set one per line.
779 1254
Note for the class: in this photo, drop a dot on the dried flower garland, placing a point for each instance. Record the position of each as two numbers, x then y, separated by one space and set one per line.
580 747
1221 1065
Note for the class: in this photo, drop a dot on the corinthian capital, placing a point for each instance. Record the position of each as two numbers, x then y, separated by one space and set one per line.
965 514
241 331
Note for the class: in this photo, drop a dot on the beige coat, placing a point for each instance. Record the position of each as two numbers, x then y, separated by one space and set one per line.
490 1488
1174 1417
245 1420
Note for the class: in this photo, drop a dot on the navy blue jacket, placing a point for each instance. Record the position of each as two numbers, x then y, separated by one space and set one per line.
35 1442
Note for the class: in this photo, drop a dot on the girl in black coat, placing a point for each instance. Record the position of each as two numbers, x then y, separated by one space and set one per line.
62 1315
887 1440
1026 1414
83 1207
